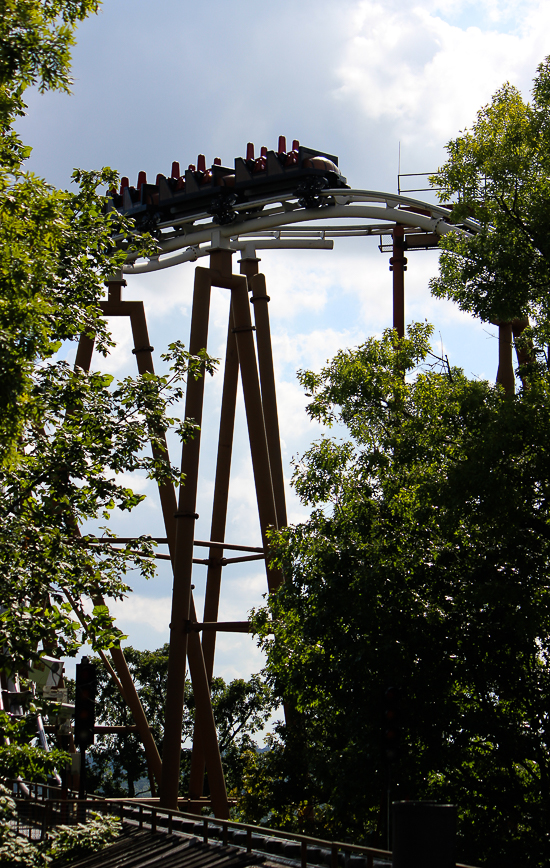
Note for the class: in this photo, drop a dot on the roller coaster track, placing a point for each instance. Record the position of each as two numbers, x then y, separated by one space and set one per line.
215 212
281 222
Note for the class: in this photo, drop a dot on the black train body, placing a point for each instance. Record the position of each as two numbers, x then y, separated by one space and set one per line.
201 192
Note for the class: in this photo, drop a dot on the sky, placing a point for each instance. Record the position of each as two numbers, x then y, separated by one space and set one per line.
375 83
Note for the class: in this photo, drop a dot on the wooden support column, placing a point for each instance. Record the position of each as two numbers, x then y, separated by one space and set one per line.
83 361
398 265
260 300
182 642
505 373
243 329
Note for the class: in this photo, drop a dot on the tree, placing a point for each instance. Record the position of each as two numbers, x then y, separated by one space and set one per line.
424 566
118 762
498 172
84 432
52 243
66 436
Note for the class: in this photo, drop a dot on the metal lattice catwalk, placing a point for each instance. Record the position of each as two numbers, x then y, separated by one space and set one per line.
283 221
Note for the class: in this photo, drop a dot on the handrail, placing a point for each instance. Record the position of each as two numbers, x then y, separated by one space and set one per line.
155 812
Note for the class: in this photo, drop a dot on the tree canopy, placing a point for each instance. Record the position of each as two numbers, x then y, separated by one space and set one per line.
498 172
424 564
67 437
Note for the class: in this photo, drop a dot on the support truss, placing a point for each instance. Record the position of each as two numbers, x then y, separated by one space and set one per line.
249 357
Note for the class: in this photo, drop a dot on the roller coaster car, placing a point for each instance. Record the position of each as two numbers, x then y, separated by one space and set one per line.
215 191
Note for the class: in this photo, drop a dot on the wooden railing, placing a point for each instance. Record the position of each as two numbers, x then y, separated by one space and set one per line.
303 849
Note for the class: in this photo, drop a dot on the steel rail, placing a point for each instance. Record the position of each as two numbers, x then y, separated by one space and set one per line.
362 204
148 813
341 196
222 234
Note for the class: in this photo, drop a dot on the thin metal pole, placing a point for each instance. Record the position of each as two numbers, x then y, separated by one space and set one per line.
388 810
82 781
398 265
524 353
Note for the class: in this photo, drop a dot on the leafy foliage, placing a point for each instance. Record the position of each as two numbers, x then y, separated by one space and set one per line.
64 845
66 436
424 565
36 37
498 173
14 849
71 843
18 756
118 762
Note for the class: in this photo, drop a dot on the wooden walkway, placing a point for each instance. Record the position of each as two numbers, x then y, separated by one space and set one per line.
140 849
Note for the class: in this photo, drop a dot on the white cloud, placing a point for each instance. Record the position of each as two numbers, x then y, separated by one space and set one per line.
145 619
429 76
136 481
152 612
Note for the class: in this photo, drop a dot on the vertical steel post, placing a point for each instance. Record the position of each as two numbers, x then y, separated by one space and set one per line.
205 722
84 353
524 352
264 441
398 265
134 704
205 728
183 556
217 529
221 491
143 352
221 264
